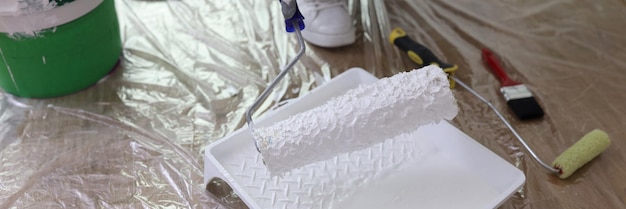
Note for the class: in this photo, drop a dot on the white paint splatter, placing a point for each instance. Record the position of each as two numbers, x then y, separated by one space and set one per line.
9 69
25 35
35 6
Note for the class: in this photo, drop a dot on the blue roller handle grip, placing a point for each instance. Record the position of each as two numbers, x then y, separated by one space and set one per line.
292 14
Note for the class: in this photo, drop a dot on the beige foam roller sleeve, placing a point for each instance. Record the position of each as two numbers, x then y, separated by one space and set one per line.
583 151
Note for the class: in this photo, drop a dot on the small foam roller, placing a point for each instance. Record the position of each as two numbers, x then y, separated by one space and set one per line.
360 118
583 151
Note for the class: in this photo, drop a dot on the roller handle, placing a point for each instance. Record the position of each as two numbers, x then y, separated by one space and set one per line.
494 65
293 16
420 54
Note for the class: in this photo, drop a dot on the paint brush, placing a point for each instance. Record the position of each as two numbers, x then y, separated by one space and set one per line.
520 100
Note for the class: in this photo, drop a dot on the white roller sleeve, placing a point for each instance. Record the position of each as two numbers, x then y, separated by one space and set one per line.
358 119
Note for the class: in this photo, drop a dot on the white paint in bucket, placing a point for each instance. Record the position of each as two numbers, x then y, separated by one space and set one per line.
15 18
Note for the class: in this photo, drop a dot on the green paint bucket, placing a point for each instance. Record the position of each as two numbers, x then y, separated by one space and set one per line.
63 48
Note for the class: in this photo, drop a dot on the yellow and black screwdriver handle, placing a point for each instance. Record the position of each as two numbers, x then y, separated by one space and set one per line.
419 53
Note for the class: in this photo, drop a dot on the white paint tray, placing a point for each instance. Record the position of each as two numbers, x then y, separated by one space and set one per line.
438 166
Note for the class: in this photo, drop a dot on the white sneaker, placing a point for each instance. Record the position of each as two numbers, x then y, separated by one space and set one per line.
327 23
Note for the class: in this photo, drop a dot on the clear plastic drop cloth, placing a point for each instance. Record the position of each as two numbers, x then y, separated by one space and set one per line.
191 68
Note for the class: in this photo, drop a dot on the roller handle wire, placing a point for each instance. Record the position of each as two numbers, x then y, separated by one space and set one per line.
508 125
270 88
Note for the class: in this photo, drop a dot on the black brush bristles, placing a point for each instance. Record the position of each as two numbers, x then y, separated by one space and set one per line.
525 108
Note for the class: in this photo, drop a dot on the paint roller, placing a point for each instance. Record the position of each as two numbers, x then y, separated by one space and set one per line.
358 119
373 113
586 149
355 120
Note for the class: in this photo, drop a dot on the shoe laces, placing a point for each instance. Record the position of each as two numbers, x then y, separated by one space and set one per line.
323 4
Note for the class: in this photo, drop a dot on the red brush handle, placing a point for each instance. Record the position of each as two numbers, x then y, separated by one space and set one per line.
490 59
